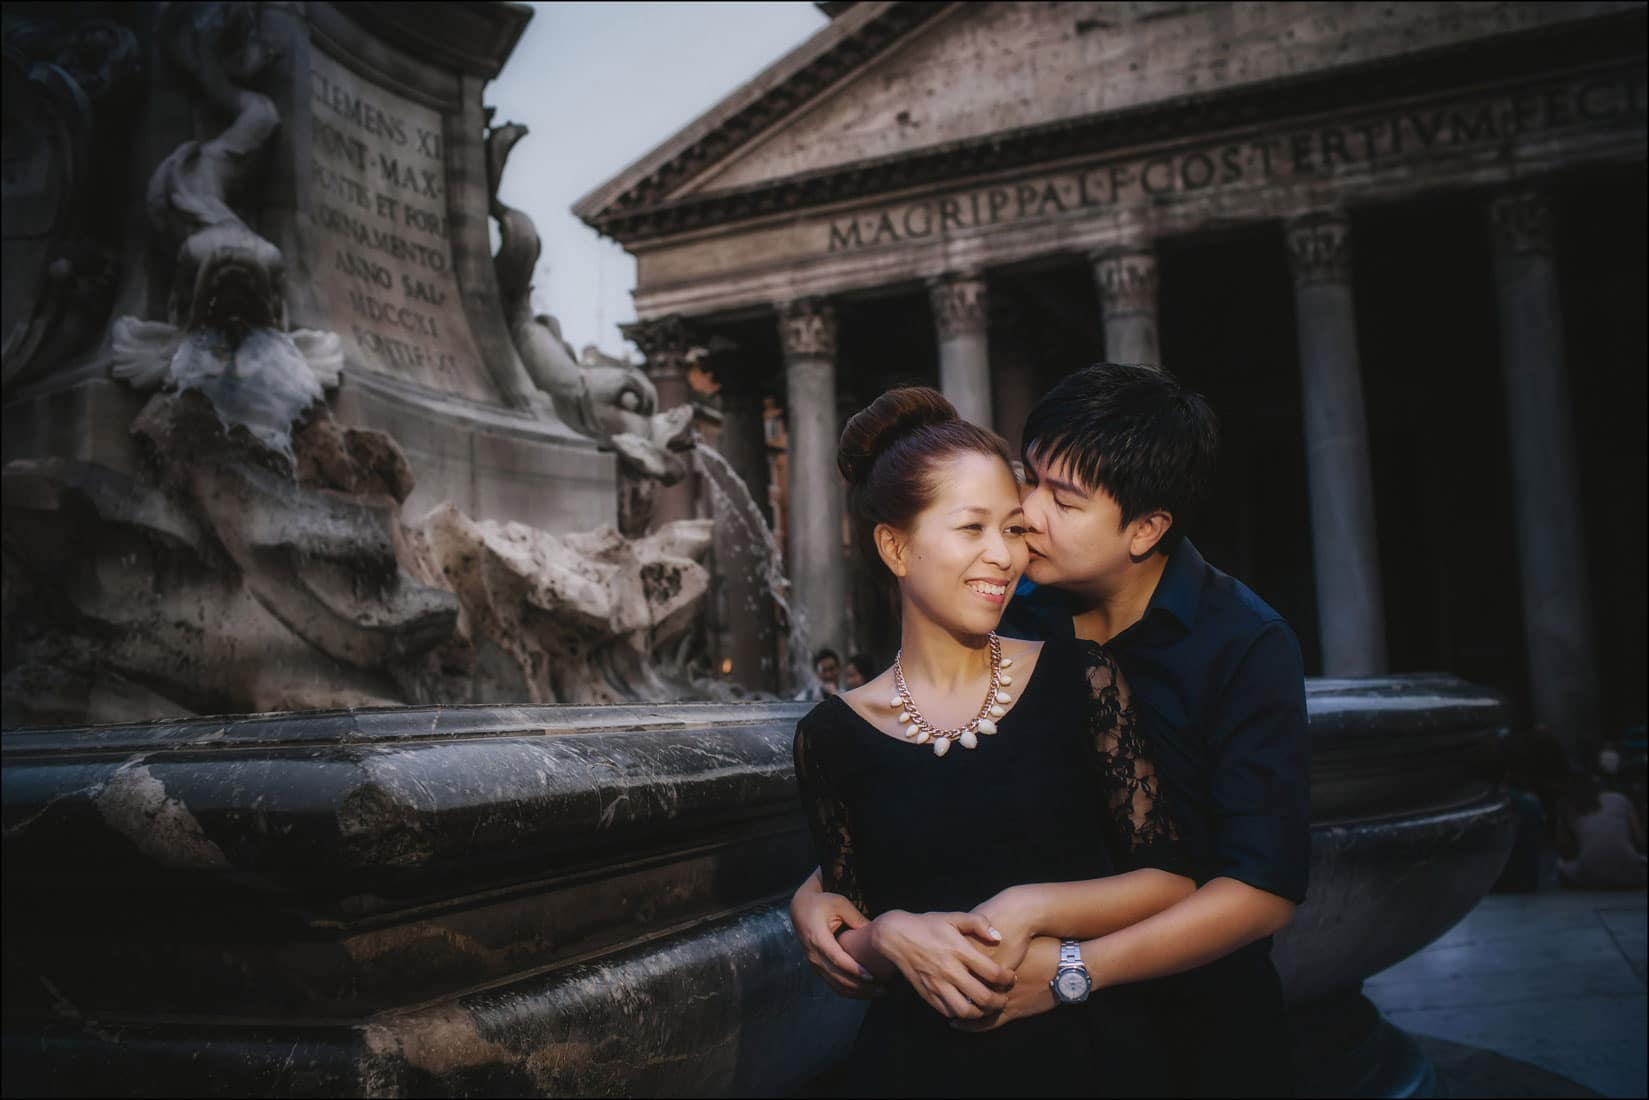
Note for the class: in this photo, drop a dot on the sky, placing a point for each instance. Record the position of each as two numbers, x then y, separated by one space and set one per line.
599 85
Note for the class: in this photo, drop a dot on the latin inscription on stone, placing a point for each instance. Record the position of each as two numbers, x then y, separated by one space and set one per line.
381 251
1405 139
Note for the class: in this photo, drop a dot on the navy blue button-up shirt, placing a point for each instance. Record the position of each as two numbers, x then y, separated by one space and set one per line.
1218 685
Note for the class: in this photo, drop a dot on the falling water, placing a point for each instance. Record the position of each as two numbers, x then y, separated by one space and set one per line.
732 498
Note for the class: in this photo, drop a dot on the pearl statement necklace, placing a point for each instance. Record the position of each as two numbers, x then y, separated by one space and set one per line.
923 731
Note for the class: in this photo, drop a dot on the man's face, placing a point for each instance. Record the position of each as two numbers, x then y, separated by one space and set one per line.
1077 539
827 670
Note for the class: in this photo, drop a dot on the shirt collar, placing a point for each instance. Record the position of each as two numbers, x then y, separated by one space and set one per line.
1179 589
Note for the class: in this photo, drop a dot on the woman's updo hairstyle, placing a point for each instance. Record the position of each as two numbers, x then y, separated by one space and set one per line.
888 450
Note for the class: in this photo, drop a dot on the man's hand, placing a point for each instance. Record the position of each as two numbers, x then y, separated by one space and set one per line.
1031 996
938 954
818 918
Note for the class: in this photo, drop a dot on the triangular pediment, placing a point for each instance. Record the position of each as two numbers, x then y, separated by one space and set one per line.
953 80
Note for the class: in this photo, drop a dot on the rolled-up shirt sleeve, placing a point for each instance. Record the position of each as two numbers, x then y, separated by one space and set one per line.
1261 777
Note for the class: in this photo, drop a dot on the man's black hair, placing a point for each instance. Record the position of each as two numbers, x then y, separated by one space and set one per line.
1134 432
826 652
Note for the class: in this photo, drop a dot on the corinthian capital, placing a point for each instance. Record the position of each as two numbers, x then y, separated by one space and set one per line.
959 305
665 341
1127 282
1319 248
1521 222
807 329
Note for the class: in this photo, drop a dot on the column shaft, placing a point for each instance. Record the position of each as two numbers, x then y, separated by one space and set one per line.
1128 300
818 567
674 501
959 315
1013 380
1557 619
740 545
665 342
1350 607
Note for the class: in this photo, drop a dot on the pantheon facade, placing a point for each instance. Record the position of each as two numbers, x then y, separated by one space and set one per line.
1400 247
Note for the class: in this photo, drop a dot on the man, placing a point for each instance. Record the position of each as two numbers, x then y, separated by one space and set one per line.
827 666
1117 459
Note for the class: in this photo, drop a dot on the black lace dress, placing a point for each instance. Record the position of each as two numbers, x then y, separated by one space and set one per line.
1063 792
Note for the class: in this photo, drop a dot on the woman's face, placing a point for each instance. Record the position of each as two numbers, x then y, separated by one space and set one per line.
959 561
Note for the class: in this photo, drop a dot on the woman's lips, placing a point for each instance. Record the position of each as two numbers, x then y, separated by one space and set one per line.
985 590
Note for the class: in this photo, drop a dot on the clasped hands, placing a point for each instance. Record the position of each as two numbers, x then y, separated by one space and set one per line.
964 965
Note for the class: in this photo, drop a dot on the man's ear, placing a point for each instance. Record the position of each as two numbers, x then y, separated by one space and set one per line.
891 546
1145 532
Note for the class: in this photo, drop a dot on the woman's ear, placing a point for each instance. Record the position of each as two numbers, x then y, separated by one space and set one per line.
1147 532
891 547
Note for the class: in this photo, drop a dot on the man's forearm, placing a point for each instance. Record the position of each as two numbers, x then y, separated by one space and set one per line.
1219 918
1095 907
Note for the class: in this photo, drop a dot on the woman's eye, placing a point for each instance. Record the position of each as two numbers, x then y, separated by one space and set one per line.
974 527
1015 531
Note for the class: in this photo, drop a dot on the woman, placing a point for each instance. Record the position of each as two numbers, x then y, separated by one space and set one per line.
898 775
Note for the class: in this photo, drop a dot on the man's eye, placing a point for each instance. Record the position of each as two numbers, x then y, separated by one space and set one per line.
1016 531
973 527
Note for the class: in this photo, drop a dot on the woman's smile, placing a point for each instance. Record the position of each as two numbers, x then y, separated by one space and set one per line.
994 591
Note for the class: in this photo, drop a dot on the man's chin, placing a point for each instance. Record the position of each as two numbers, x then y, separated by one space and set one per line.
1041 571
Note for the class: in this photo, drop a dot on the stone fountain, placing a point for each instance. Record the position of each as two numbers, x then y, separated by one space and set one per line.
281 433
292 438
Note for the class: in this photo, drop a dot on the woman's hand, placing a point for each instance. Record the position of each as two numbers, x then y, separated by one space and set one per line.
819 917
938 954
1012 913
1030 997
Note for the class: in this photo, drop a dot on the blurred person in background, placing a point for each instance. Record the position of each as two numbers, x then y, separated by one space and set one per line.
858 671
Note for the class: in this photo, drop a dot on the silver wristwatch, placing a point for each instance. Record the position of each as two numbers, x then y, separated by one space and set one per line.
1071 983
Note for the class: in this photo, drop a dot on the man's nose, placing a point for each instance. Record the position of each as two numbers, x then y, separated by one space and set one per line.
1033 512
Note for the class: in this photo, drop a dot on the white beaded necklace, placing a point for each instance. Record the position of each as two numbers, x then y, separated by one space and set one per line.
924 731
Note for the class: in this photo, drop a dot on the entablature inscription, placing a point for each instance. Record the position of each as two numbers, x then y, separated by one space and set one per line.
1392 150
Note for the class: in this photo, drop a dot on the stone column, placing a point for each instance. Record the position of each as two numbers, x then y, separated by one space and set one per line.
959 314
1127 280
1551 553
818 568
1013 378
665 342
1350 612
740 542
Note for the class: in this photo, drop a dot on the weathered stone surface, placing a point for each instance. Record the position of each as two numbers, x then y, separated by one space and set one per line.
584 618
231 526
230 576
540 900
811 182
68 109
982 70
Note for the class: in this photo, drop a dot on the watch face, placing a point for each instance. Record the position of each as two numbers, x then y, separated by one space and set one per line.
1072 984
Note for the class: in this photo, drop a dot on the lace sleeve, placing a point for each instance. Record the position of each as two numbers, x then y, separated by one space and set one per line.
1143 830
827 818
